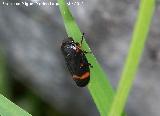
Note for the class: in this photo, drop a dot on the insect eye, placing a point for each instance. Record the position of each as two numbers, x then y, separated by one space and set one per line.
73 44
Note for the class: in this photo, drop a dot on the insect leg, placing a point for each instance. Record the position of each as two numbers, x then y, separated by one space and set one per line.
81 44
82 39
90 65
86 52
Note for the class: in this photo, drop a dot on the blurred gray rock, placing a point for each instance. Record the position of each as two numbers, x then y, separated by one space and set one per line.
32 37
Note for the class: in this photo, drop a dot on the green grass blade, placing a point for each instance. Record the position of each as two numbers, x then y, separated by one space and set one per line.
141 29
8 108
99 86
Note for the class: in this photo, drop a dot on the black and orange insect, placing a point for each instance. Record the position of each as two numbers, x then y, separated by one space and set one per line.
76 61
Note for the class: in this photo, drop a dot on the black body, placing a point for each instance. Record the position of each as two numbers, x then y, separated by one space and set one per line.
76 61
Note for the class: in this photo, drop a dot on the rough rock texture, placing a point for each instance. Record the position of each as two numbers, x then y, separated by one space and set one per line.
32 37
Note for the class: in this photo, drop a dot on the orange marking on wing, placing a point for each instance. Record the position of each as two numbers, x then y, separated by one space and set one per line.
75 77
85 75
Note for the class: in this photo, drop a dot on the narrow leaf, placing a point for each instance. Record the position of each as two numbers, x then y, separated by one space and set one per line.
138 41
99 86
